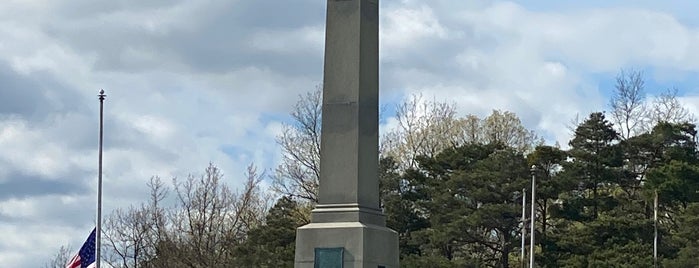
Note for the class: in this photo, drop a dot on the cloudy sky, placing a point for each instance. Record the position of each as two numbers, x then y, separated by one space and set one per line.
193 82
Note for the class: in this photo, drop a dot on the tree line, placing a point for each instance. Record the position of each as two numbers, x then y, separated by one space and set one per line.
451 186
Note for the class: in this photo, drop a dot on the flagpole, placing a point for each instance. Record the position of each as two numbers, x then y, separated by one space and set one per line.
533 222
98 231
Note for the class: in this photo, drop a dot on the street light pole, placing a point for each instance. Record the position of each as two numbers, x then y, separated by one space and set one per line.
533 217
98 231
655 229
524 224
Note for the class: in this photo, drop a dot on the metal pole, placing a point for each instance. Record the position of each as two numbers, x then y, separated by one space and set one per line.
98 232
524 224
655 227
533 217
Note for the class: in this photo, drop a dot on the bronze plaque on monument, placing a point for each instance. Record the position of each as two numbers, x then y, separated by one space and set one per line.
328 257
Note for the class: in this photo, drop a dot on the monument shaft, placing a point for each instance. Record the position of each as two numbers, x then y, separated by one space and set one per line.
349 152
348 216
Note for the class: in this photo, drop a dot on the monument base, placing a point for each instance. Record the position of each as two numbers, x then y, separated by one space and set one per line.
365 245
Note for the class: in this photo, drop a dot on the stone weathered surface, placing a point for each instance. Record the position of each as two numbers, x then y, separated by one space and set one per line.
348 213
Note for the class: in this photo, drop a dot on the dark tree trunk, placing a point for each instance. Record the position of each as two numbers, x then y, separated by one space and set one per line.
543 219
505 257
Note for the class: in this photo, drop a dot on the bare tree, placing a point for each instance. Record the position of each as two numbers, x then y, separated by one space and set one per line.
573 123
472 129
210 219
201 229
64 254
298 174
424 128
200 224
667 108
506 128
629 109
126 236
633 115
250 205
132 235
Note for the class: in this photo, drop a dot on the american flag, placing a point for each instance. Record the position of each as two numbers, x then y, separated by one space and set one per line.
86 256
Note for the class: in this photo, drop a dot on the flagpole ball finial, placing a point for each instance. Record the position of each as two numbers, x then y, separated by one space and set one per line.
101 95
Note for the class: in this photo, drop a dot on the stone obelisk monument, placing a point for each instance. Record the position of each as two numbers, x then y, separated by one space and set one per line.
347 226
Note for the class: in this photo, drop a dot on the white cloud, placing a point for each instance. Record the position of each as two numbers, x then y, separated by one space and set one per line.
29 245
29 151
691 102
153 127
404 27
301 40
598 39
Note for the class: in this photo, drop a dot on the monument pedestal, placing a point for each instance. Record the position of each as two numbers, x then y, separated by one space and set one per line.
365 245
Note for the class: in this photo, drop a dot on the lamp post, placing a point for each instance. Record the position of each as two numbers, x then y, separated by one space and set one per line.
655 230
524 224
533 217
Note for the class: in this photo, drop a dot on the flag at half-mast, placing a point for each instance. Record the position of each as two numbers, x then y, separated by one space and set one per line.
86 256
